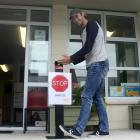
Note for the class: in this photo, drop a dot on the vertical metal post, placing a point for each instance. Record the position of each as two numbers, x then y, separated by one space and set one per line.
59 109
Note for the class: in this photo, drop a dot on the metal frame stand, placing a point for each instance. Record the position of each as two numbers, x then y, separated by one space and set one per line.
59 112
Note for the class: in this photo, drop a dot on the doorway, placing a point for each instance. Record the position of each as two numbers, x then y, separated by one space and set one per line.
27 69
12 59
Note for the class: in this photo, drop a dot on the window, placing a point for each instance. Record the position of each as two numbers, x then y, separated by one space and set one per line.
94 17
123 83
37 106
12 14
38 58
122 54
74 46
40 15
120 26
122 48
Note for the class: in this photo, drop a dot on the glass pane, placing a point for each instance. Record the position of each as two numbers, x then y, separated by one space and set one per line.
124 83
12 62
93 17
76 30
120 26
76 45
37 113
40 15
38 54
122 54
12 14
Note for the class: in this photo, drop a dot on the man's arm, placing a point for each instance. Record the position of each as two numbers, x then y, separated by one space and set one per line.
92 30
79 60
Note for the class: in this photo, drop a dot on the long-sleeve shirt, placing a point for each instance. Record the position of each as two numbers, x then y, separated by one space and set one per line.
93 49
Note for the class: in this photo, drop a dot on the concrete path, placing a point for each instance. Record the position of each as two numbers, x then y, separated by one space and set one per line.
40 135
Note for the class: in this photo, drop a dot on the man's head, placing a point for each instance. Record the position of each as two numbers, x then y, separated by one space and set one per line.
78 17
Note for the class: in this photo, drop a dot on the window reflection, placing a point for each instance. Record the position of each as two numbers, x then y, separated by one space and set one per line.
13 14
124 83
40 15
76 45
38 50
122 54
37 113
120 26
94 17
38 63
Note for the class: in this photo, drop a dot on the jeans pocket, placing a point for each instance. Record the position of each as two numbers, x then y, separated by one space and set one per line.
105 70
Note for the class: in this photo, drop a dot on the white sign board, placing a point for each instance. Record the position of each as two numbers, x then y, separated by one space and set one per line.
60 89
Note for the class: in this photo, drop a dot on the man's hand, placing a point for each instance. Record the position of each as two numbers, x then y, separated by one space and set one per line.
65 60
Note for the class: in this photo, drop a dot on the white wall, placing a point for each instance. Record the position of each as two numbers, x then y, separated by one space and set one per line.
59 32
118 116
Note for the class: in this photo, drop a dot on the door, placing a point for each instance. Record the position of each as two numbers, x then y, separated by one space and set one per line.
12 56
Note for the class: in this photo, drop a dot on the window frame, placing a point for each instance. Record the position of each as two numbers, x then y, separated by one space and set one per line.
28 23
122 100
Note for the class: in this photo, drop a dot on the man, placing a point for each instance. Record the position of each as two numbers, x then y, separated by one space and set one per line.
93 51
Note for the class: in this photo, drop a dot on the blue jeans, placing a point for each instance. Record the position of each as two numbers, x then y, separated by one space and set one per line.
96 73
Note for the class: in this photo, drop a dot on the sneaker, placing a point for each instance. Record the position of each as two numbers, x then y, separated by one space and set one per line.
72 132
98 132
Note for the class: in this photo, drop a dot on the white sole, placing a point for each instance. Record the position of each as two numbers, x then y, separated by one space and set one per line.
95 136
68 134
92 136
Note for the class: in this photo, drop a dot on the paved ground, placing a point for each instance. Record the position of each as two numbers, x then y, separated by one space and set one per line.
40 135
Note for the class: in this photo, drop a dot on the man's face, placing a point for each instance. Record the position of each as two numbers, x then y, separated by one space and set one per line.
78 19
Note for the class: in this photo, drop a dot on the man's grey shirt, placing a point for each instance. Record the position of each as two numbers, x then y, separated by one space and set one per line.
93 49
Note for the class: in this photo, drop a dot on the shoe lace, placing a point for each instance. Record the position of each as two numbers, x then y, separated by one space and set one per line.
97 133
71 131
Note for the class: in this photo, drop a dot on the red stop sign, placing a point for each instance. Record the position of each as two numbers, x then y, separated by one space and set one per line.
59 83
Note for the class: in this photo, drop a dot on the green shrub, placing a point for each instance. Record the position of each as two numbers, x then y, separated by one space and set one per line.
76 93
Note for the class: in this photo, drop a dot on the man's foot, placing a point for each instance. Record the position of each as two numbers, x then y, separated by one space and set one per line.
72 132
98 132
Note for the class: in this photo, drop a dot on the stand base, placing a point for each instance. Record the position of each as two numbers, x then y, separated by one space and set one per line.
53 137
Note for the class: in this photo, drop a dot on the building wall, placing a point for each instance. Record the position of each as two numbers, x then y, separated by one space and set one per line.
59 43
59 32
118 116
